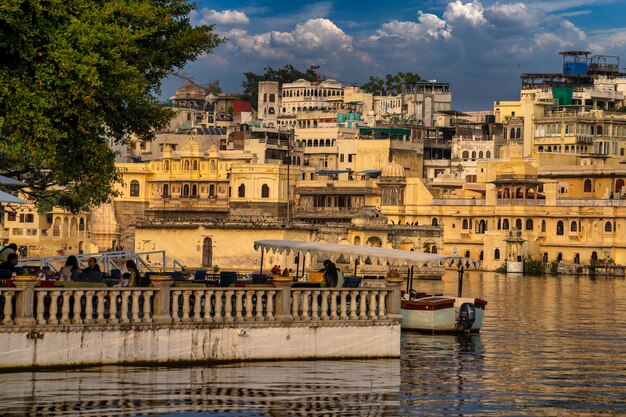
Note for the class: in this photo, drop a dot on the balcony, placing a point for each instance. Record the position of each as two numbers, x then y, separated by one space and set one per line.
458 202
579 202
520 202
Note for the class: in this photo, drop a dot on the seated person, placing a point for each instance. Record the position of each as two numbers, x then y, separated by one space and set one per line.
11 263
124 280
71 267
92 266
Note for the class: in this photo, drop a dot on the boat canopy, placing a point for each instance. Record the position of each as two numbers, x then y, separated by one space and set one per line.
334 250
10 199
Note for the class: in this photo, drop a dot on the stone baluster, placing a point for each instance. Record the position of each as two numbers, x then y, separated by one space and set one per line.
8 307
283 298
208 295
88 307
295 301
100 309
269 308
147 317
186 294
394 308
305 305
324 312
353 295
197 307
249 306
315 308
41 307
372 311
65 308
25 300
135 307
161 302
258 308
54 307
113 308
175 305
343 306
382 295
124 315
228 307
77 319
239 305
333 304
218 306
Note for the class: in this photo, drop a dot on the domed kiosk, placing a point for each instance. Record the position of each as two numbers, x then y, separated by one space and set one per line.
392 184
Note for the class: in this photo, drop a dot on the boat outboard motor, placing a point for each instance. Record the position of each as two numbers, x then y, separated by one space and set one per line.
467 316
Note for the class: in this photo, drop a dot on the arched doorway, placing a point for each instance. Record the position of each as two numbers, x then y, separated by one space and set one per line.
207 252
619 184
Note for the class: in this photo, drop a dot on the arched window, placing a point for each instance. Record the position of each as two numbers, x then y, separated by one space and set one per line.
480 155
241 191
608 227
480 256
357 240
467 254
465 154
573 227
576 258
186 166
505 224
166 166
587 186
619 184
81 225
529 224
435 222
543 226
482 226
166 190
473 155
327 142
518 224
134 188
559 228
265 191
499 226
194 190
512 135
488 154
544 257
496 254
594 256
186 190
212 190
195 165
465 224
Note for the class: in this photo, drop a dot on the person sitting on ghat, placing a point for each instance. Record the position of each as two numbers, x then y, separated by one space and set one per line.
135 276
330 274
6 251
11 263
92 265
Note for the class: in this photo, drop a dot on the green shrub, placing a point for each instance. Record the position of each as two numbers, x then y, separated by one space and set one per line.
534 267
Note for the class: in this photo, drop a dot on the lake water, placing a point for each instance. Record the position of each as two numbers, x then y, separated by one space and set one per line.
550 346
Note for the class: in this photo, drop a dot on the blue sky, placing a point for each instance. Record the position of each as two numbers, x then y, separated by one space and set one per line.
481 47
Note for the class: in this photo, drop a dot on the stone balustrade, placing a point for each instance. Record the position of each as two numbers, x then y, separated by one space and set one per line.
163 304
78 326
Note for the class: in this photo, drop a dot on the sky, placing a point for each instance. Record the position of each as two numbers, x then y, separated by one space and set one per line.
480 47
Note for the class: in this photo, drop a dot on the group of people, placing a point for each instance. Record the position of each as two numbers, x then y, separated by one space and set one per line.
130 278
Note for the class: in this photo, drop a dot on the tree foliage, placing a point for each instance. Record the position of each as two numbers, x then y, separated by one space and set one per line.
391 85
286 74
77 74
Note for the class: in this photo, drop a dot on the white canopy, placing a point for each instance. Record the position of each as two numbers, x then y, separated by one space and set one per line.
11 182
361 252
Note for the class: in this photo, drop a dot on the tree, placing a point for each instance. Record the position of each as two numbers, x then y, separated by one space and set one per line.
286 74
76 75
392 85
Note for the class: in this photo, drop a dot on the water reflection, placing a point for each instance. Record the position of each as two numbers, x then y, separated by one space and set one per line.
327 388
550 346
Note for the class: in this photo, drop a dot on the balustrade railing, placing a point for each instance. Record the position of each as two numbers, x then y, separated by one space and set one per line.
162 304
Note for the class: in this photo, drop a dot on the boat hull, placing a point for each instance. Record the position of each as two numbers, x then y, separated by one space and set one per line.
440 314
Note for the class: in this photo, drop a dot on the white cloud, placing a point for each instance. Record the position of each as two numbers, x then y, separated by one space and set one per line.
428 26
471 13
223 18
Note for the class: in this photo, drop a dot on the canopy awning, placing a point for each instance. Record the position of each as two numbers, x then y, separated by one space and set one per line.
370 171
9 199
10 181
334 250
333 171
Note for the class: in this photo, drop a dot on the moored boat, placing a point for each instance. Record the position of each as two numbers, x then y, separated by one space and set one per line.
442 314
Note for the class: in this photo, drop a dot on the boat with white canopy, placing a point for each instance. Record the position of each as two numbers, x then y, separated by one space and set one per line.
421 312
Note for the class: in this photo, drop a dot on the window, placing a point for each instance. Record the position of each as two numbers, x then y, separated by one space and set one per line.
587 186
529 224
166 190
265 191
573 227
166 166
465 154
518 224
241 191
435 222
26 218
505 224
543 226
186 166
350 157
134 188
212 190
341 157
496 254
465 224
559 228
488 155
608 227
195 165
473 155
